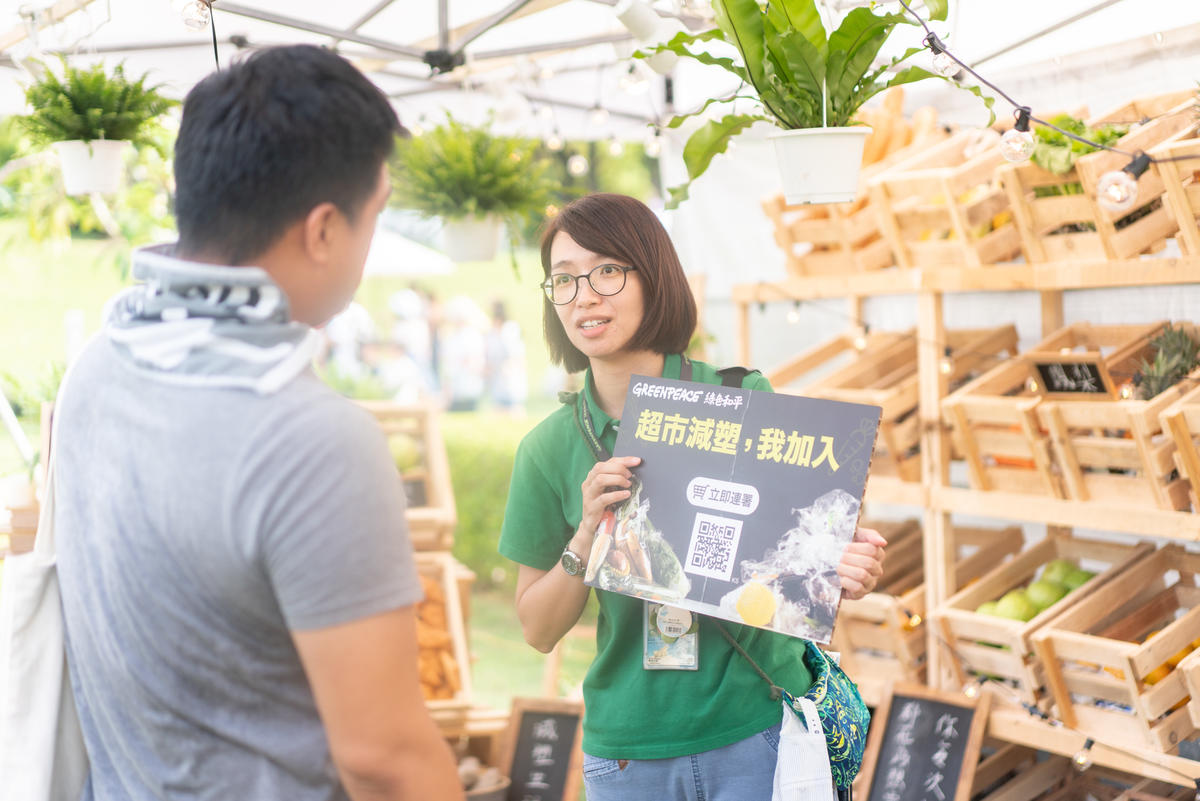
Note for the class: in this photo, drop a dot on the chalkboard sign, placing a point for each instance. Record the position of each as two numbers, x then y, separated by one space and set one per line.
924 745
1083 375
542 749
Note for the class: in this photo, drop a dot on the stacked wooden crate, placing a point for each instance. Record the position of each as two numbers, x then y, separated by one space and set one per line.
882 636
883 372
1058 216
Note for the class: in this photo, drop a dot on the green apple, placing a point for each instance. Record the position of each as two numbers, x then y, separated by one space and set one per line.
1015 605
986 608
1077 578
1045 593
1057 570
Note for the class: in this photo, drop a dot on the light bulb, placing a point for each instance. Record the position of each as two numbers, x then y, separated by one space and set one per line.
1127 390
1031 385
577 165
555 142
1016 145
945 367
598 116
196 15
945 66
545 113
1117 191
971 690
1083 757
860 342
615 147
633 82
415 129
654 145
545 74
793 315
914 620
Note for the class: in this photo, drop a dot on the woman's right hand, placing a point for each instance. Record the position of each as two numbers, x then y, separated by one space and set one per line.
608 482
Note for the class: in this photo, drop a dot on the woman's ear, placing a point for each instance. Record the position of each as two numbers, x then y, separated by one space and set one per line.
320 232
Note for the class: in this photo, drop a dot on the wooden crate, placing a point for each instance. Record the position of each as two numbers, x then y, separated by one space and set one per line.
941 208
997 420
1020 773
1115 448
415 437
882 636
1101 663
885 374
1069 224
1181 420
1122 233
444 662
1181 181
1002 649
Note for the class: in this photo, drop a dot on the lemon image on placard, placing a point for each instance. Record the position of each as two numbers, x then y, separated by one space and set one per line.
756 604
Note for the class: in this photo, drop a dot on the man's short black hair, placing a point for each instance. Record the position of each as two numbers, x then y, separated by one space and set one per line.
269 138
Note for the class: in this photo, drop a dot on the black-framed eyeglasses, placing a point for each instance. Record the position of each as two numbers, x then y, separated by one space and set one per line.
605 279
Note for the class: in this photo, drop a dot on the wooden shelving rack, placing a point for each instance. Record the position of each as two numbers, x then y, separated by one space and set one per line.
934 494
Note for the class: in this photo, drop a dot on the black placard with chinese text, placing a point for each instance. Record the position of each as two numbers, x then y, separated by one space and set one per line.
742 506
1085 378
927 746
544 751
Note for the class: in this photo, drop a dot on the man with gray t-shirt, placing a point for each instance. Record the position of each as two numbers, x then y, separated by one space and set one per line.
237 580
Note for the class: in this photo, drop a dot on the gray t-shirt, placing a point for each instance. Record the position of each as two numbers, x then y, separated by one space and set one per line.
196 528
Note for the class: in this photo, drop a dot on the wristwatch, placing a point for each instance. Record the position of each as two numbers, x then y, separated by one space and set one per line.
572 563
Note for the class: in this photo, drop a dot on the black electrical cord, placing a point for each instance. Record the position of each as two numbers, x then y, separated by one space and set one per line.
212 23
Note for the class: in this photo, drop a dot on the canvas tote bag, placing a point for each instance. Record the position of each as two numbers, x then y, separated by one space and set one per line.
42 756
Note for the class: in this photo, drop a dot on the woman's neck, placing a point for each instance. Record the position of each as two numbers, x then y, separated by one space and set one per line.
610 378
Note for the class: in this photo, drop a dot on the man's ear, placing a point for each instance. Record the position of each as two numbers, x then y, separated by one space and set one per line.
319 231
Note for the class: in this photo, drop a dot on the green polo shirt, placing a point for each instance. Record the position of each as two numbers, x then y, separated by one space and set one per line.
633 713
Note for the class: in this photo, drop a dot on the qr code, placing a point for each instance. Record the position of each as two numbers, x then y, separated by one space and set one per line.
713 549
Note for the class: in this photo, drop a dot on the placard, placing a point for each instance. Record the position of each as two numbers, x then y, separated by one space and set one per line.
924 745
1084 374
542 749
742 506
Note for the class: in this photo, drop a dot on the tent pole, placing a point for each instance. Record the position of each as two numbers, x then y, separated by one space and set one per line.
323 30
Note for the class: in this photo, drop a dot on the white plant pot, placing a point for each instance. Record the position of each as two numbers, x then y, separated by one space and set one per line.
95 166
820 165
471 239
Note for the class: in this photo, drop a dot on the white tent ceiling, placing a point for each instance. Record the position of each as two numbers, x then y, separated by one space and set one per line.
538 65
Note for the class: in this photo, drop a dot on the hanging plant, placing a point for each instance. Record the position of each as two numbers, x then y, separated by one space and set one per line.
465 174
802 77
89 115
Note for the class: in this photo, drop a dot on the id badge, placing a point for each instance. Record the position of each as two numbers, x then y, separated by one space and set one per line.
672 638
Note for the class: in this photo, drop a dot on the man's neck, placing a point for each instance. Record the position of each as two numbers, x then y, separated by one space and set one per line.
610 378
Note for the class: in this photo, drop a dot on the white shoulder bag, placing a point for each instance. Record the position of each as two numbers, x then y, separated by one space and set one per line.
42 756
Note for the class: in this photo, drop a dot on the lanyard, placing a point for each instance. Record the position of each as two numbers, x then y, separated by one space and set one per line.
583 420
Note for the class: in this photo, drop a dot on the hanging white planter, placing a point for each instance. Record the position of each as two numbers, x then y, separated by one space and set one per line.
820 165
471 239
95 166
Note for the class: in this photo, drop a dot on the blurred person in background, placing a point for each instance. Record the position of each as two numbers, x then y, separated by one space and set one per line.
464 354
507 380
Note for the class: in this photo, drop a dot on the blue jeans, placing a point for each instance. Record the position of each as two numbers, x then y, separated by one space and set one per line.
742 771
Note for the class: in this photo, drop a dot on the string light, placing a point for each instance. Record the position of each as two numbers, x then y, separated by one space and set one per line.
1117 191
196 15
555 142
1016 144
615 147
1083 757
793 315
860 339
944 64
578 165
946 365
545 113
654 144
598 115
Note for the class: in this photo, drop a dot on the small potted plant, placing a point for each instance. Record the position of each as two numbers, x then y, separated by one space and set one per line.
91 117
807 82
474 181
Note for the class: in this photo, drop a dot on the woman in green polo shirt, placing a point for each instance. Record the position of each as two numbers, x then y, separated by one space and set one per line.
618 304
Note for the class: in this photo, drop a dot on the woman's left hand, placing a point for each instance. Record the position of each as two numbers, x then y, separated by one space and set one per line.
862 563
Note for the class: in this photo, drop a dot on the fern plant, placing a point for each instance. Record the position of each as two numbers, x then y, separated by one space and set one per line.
90 104
456 171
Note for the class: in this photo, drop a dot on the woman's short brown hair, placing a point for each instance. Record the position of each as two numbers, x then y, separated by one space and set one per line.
623 228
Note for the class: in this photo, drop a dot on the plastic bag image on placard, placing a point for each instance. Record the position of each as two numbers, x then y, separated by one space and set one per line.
629 554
